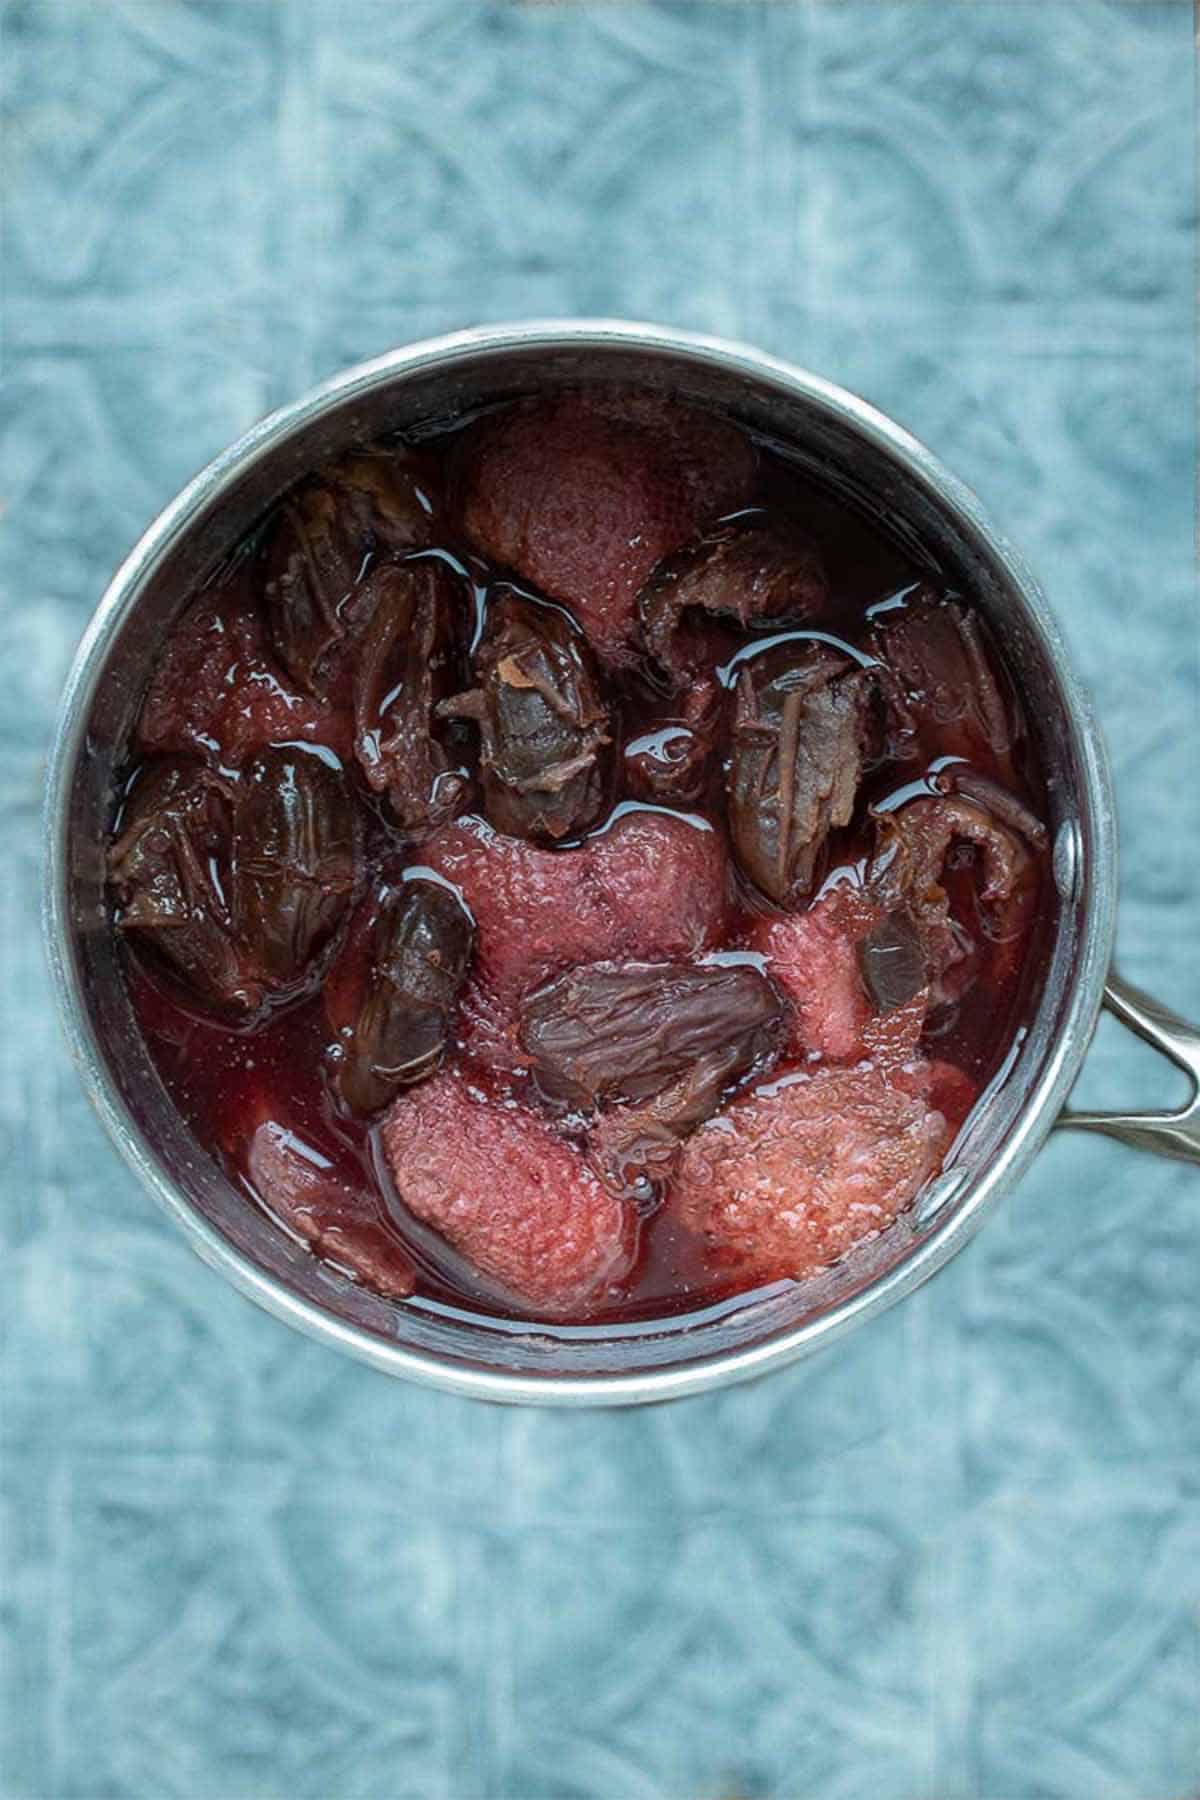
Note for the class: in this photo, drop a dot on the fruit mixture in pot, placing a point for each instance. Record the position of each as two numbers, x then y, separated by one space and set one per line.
580 865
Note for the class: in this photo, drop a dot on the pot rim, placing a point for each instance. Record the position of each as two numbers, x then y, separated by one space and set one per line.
943 1239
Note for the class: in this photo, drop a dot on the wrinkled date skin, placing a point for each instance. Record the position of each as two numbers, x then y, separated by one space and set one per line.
613 1031
748 572
912 846
294 859
800 734
941 695
407 662
546 745
421 948
669 1039
322 537
176 829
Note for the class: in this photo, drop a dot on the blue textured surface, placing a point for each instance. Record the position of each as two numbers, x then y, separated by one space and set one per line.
957 1559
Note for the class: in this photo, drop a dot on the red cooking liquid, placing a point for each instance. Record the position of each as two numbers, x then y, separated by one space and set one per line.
225 1079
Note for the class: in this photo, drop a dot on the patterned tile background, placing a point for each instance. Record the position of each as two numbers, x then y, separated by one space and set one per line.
957 1560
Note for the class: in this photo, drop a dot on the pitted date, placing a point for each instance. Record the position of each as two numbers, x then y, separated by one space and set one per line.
324 533
748 572
546 746
294 859
608 1031
167 869
800 734
420 951
659 1043
907 873
938 684
407 662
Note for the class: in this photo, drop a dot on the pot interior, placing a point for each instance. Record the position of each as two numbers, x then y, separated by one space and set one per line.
878 470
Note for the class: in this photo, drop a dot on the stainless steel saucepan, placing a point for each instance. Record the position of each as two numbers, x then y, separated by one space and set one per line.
867 454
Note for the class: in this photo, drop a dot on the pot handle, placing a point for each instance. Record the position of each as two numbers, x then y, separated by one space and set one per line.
1174 1134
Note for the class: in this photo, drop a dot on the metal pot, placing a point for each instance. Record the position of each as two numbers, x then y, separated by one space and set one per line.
868 455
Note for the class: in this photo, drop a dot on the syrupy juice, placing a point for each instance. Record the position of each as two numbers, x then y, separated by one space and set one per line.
228 1075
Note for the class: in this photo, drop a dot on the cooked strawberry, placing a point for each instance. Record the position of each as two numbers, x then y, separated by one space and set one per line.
218 690
341 1222
786 1180
854 975
583 494
650 888
514 1199
813 956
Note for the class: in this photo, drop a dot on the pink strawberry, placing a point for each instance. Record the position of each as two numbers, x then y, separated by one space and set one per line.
650 888
341 1222
813 956
788 1179
519 1203
583 494
816 957
218 690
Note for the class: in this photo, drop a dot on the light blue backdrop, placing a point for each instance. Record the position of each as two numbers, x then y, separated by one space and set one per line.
958 1559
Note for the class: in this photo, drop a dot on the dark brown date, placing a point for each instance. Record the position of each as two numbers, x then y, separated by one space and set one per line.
609 1031
940 692
906 871
748 572
800 734
660 1042
321 539
294 858
407 662
546 748
421 948
168 869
